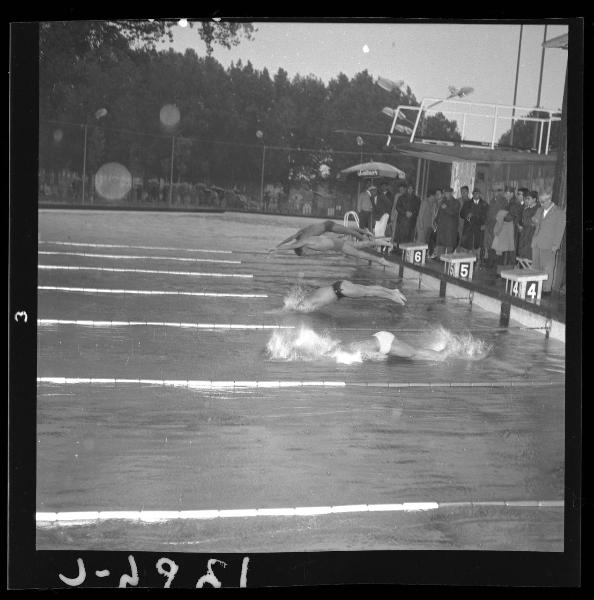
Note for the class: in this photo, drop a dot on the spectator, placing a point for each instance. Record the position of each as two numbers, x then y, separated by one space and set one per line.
498 202
365 207
384 200
527 226
549 223
447 223
432 240
514 214
464 197
407 207
425 219
474 215
394 213
504 239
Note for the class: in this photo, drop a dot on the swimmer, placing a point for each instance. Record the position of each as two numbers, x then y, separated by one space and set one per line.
384 342
324 244
327 227
346 289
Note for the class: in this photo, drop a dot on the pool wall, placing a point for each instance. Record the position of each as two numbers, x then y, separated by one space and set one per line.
526 315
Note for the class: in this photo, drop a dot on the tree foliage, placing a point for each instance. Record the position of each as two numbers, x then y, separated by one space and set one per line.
527 133
89 65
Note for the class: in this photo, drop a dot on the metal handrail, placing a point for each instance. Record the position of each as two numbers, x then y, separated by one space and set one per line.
496 116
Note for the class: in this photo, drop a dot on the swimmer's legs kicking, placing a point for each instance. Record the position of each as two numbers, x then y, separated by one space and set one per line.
385 342
346 289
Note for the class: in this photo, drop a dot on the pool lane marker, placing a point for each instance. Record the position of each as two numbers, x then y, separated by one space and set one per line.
131 257
152 271
146 292
137 247
227 385
221 326
155 516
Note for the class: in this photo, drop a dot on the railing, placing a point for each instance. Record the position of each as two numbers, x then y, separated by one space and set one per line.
497 113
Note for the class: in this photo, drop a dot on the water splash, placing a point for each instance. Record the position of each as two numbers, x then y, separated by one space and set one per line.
462 346
304 344
294 300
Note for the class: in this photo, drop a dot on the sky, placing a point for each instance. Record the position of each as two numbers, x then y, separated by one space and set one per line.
428 57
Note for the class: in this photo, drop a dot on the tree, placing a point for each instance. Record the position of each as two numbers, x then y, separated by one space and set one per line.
437 127
527 133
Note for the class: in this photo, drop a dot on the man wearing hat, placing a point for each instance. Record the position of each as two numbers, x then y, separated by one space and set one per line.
549 222
474 216
407 206
446 220
365 207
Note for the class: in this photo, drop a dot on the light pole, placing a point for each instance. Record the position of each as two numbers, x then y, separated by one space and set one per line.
360 143
260 136
511 140
98 115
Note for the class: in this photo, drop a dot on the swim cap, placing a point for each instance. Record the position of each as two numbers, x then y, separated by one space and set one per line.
385 339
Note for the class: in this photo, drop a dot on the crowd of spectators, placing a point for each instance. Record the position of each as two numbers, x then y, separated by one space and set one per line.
516 228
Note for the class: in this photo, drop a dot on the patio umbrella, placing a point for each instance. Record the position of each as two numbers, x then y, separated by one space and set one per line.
371 170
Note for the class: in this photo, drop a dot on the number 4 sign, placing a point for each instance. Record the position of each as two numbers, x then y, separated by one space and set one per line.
531 289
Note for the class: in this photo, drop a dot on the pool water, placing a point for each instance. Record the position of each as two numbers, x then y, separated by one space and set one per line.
104 446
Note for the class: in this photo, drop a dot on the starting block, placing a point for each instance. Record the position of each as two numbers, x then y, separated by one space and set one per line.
523 263
414 253
458 265
525 284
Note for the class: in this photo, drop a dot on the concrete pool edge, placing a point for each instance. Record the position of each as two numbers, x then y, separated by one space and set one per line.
530 316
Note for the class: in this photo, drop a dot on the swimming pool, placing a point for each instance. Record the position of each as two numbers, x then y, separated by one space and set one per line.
191 413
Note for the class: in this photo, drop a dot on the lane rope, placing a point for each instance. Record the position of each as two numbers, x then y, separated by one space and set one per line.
60 243
146 292
134 257
154 516
151 271
215 326
213 385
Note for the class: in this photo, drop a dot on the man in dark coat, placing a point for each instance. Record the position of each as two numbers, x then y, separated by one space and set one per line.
447 223
515 209
527 226
407 206
384 200
474 214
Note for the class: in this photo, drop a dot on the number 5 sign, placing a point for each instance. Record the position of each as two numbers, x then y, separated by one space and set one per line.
464 270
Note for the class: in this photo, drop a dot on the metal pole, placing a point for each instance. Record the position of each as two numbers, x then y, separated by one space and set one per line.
544 39
171 170
495 127
419 164
550 124
542 56
412 136
262 177
84 173
511 142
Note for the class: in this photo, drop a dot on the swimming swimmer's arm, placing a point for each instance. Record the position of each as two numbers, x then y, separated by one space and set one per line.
352 251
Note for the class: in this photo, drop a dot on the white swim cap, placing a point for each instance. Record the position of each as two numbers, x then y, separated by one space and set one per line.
385 339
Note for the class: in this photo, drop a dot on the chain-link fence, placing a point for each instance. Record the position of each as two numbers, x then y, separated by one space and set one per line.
87 164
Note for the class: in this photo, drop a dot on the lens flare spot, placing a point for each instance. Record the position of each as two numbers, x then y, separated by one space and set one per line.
169 116
58 135
113 181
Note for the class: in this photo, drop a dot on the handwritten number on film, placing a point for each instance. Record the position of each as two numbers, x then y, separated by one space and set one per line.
165 566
